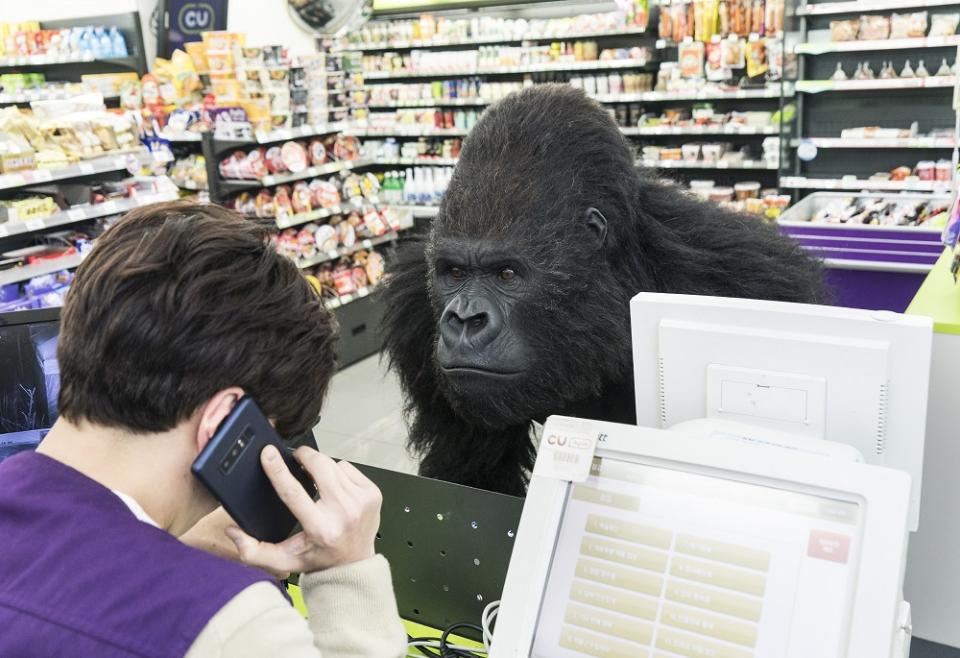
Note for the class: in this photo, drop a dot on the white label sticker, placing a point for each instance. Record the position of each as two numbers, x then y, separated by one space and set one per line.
363 292
367 244
268 180
86 168
75 214
566 449
109 206
34 224
4 232
41 175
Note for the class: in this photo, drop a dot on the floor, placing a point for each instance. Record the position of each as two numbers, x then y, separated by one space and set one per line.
362 422
362 419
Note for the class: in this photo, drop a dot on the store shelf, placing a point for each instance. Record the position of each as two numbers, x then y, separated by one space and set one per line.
819 48
343 300
683 164
405 131
906 143
414 162
420 102
181 137
99 165
702 130
439 42
307 130
340 252
31 95
826 8
801 182
419 211
82 214
771 91
895 84
230 184
190 186
27 272
507 70
312 216
52 60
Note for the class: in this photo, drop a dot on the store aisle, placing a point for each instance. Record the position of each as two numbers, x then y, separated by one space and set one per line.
361 419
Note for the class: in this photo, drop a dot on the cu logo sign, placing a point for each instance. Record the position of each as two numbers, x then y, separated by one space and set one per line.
195 17
555 440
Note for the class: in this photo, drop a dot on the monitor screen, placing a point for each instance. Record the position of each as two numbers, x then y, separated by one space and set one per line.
29 382
659 562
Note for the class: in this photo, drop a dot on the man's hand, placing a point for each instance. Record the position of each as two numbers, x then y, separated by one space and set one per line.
338 529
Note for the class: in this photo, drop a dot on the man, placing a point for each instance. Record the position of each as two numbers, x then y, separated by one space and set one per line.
179 311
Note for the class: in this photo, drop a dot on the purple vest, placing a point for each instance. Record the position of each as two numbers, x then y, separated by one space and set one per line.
80 576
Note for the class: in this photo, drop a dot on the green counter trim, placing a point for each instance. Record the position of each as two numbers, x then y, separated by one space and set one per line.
939 297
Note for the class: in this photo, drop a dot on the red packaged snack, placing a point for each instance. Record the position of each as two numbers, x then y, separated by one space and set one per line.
326 238
346 147
346 234
245 204
375 267
254 165
300 199
294 156
230 166
282 206
318 152
343 280
306 242
359 277
263 204
274 162
324 193
374 222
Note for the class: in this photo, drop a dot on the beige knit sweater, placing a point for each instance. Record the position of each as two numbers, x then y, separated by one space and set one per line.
352 614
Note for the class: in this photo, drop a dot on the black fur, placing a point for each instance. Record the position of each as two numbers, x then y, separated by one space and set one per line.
529 171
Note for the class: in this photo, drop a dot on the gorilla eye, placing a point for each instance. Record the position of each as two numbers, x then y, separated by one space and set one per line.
507 274
456 273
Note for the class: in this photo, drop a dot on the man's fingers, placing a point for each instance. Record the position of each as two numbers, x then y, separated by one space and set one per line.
275 558
288 488
323 470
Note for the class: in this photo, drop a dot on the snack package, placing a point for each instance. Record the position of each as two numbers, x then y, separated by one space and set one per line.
844 30
282 206
317 151
294 156
263 204
301 198
775 58
691 56
274 161
326 238
375 267
325 194
757 58
908 26
733 51
874 27
346 234
943 25
716 69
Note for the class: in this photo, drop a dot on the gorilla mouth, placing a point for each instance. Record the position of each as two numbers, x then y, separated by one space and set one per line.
476 370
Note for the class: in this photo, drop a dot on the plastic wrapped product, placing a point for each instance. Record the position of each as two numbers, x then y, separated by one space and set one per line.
326 238
908 26
943 25
874 27
294 156
844 30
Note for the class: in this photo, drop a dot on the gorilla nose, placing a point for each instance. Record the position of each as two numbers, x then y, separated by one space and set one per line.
469 324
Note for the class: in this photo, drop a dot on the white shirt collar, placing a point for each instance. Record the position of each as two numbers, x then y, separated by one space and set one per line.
135 508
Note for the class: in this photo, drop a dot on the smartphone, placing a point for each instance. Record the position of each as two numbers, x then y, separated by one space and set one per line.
229 466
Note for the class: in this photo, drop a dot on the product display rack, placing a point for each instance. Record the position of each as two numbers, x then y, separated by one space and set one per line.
69 68
358 314
24 229
825 106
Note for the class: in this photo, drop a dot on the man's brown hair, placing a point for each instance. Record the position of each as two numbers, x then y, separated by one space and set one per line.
180 300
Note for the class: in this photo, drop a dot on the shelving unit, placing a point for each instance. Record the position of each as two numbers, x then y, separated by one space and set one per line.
69 68
440 42
827 107
94 166
27 272
509 70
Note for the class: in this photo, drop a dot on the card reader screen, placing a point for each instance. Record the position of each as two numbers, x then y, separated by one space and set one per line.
652 562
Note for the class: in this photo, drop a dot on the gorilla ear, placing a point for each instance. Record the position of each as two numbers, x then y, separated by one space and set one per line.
597 223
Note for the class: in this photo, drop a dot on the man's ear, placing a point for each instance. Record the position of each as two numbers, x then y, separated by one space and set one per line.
597 223
214 411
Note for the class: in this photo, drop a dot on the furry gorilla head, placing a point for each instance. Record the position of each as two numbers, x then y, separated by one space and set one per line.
517 306
522 259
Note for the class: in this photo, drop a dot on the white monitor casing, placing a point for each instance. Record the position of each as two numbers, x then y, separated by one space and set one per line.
826 373
877 608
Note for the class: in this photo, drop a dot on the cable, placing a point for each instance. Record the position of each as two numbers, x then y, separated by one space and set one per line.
421 644
486 621
448 650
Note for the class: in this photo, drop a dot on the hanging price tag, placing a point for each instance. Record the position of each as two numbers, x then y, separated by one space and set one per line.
566 449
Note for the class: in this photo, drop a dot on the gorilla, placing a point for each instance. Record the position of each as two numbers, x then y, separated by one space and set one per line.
516 306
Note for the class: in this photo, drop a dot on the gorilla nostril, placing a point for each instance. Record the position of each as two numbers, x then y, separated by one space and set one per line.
476 322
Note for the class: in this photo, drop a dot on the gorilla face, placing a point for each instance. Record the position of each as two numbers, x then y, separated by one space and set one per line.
501 308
